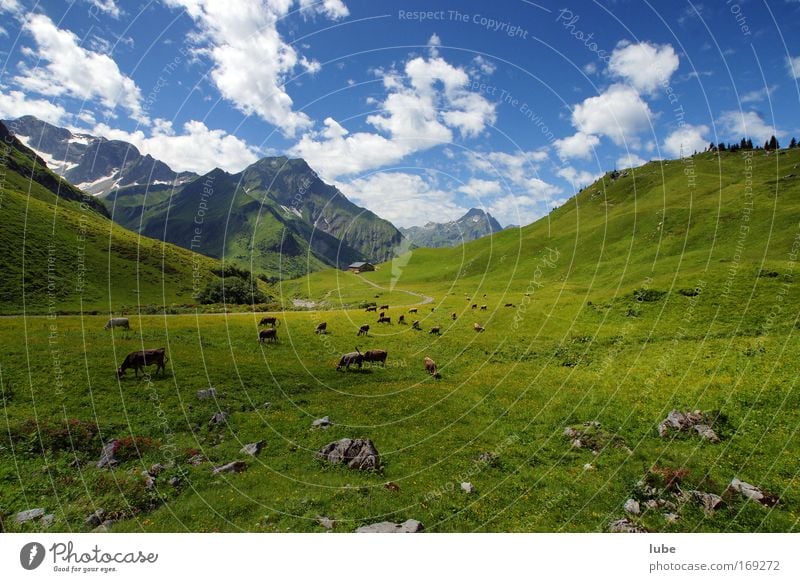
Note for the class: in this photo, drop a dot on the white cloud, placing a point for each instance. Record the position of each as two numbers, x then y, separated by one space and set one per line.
759 94
644 65
590 68
516 171
578 178
15 104
404 199
793 63
421 110
630 160
618 113
517 209
197 149
75 71
108 7
686 140
478 188
484 65
738 124
12 6
251 62
580 145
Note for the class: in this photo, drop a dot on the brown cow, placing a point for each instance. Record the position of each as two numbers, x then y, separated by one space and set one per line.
484 307
270 320
478 327
509 305
363 330
371 308
384 320
270 334
412 310
435 330
474 306
454 316
384 307
322 327
401 319
378 356
381 314
415 324
430 367
142 359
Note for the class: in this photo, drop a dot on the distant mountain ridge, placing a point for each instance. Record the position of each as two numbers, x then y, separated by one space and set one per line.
94 164
476 223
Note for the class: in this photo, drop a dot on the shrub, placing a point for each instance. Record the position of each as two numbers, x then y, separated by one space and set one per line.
648 295
231 290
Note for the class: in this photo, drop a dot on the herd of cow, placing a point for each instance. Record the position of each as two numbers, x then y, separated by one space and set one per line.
157 357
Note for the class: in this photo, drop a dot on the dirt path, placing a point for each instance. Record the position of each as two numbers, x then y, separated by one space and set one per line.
425 298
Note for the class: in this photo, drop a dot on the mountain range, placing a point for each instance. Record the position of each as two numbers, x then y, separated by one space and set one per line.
475 224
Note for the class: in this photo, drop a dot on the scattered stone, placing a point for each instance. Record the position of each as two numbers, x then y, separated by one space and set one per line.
408 526
671 517
685 421
651 504
591 435
252 449
267 404
752 492
154 470
104 527
467 487
709 501
393 487
358 454
576 443
107 458
206 394
95 519
632 507
232 467
149 481
197 459
175 481
625 525
588 467
29 515
322 423
219 418
488 458
47 520
325 522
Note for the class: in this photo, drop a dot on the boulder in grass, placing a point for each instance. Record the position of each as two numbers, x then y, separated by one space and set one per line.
107 455
95 519
206 394
322 423
632 507
467 487
752 492
232 467
252 449
29 515
219 418
325 522
358 454
625 525
408 526
709 501
686 421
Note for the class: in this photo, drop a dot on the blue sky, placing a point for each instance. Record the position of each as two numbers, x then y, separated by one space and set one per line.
417 110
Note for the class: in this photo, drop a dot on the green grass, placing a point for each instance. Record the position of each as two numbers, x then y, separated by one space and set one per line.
610 331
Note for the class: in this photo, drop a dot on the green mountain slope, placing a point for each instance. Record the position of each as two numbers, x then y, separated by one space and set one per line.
59 251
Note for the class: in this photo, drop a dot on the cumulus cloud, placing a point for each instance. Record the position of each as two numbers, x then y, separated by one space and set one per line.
251 61
758 95
578 178
402 198
619 113
630 160
12 6
15 104
72 70
478 188
644 66
793 63
739 124
196 149
423 107
579 145
686 140
108 7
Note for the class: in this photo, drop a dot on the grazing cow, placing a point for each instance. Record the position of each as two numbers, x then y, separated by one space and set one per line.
117 322
401 319
474 306
349 358
270 334
435 330
139 360
371 308
412 310
384 320
384 307
478 327
484 307
322 327
415 324
378 356
454 316
381 314
509 305
363 330
430 367
269 320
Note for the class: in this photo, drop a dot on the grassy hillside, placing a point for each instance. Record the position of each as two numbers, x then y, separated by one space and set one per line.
644 294
60 252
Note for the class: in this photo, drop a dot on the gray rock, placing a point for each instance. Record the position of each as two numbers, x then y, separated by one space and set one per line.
149 481
206 394
624 525
671 517
232 467
29 515
252 449
322 423
706 432
175 481
154 470
684 421
709 501
219 418
588 467
570 432
47 520
104 527
632 507
107 458
95 518
467 487
408 526
325 522
197 459
577 444
752 492
358 454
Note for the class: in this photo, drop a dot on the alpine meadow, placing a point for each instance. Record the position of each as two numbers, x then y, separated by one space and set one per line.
401 271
